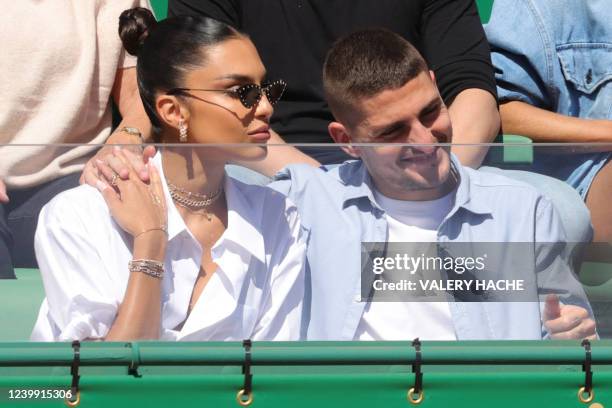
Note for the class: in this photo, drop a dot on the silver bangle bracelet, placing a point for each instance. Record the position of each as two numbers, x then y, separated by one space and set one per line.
149 267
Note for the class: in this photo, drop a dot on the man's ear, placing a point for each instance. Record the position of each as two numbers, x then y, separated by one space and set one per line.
171 111
339 133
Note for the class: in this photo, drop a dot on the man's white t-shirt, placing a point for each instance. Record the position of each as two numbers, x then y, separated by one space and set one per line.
409 221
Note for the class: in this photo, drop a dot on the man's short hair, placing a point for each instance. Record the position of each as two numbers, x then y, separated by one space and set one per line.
365 63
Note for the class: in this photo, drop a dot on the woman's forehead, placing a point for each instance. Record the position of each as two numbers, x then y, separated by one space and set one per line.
234 59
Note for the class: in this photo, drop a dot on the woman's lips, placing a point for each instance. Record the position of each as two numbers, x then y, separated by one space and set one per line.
261 135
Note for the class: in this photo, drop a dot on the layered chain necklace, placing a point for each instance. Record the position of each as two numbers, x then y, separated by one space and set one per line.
193 201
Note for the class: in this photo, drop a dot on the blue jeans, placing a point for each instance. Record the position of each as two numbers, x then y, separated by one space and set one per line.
18 220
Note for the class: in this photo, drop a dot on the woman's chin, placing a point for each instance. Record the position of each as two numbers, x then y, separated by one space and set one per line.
255 152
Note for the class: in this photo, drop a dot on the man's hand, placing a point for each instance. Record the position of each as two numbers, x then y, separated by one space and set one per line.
113 165
565 322
3 195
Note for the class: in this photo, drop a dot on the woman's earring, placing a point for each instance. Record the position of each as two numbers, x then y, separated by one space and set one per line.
182 131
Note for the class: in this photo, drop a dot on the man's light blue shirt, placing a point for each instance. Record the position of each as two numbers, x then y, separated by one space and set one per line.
339 210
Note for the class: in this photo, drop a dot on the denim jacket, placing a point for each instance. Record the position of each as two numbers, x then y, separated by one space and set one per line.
556 55
340 213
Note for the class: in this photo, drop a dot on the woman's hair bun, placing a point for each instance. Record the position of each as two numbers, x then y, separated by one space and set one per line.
135 25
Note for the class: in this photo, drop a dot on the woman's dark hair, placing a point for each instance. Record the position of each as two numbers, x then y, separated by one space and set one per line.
167 50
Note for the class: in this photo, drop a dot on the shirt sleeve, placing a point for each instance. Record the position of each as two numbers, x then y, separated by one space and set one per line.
553 261
455 46
281 315
79 294
518 50
227 11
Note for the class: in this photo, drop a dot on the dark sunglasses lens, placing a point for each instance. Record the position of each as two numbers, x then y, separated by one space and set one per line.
250 95
275 91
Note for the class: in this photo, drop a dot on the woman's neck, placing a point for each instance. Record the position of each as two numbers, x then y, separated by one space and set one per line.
186 169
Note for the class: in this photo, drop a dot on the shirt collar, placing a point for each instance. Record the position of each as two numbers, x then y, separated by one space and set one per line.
243 218
358 185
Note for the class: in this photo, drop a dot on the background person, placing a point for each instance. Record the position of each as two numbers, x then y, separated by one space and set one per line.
57 86
294 37
552 63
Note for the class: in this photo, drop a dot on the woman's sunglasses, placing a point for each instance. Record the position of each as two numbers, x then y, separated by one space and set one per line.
249 94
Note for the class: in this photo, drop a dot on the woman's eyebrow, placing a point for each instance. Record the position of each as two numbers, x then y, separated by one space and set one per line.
237 77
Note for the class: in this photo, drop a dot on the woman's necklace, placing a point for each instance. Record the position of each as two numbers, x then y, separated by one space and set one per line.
193 201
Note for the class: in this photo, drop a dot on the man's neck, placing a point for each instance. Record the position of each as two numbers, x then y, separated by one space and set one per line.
431 194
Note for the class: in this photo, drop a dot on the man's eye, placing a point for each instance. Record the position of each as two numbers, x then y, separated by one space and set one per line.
431 114
390 132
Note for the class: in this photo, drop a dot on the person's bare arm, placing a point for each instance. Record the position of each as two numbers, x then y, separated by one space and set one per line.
126 97
3 195
541 125
280 154
475 119
140 210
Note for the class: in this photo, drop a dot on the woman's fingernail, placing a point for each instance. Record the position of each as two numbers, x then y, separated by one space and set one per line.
99 161
101 186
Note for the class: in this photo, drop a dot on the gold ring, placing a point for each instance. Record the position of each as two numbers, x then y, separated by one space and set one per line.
411 398
113 180
581 397
244 402
74 403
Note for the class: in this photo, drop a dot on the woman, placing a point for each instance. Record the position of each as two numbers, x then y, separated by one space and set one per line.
194 255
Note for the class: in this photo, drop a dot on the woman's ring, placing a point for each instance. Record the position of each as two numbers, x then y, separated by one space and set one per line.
113 180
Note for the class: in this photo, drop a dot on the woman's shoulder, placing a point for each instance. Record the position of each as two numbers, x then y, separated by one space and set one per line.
255 195
83 204
263 207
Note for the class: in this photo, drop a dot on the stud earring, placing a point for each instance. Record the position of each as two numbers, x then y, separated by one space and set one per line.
182 131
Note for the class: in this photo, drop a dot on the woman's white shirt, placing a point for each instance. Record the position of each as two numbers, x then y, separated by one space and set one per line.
256 292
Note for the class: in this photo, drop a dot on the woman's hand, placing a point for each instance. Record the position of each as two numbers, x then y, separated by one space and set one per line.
137 207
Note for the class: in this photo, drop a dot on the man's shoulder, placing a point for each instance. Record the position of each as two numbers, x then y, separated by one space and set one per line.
488 183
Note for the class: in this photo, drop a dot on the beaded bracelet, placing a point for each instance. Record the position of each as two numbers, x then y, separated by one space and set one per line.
148 267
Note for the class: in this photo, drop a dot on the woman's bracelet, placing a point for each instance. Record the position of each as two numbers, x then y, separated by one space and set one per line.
148 267
163 229
132 131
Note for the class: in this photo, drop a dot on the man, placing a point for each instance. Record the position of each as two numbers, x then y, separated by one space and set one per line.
380 91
